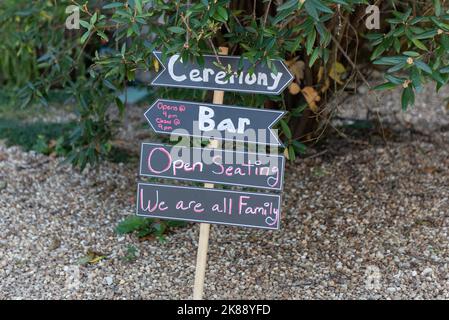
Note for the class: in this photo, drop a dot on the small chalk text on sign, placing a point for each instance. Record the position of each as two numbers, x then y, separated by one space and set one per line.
236 168
220 122
212 77
246 209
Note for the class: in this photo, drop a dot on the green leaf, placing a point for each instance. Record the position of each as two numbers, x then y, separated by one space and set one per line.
320 6
291 154
444 70
288 5
93 19
286 129
437 6
394 79
296 112
423 66
311 9
378 51
131 224
314 56
390 60
177 30
138 4
426 35
85 24
385 86
440 24
221 14
102 35
415 76
419 44
120 106
397 67
437 77
408 97
113 5
310 42
411 53
84 37
299 147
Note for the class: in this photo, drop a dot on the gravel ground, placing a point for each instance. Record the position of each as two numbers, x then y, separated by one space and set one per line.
360 221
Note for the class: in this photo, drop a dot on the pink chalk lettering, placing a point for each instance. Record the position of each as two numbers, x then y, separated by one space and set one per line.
241 203
196 206
273 180
216 208
249 165
217 161
157 206
227 206
163 106
272 221
168 157
187 167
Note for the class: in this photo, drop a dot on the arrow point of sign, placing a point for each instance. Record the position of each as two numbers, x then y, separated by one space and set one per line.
157 54
287 82
147 115
274 136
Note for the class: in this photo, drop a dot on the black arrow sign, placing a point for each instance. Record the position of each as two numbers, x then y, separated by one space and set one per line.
202 120
237 208
212 77
236 168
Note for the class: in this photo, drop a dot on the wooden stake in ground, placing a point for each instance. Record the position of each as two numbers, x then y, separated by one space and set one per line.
203 243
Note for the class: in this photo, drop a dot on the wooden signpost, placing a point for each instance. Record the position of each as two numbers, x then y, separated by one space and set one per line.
212 165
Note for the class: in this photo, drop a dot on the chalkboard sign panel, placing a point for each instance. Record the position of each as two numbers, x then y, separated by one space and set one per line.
245 209
212 166
221 122
212 77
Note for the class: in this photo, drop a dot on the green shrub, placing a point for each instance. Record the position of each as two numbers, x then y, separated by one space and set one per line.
321 40
42 137
144 227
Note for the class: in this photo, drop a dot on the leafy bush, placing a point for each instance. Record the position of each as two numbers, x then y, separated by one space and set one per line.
322 41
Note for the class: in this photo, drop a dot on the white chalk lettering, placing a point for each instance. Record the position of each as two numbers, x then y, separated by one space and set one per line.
268 80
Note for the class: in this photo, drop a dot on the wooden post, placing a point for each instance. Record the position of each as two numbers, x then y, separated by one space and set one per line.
203 243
